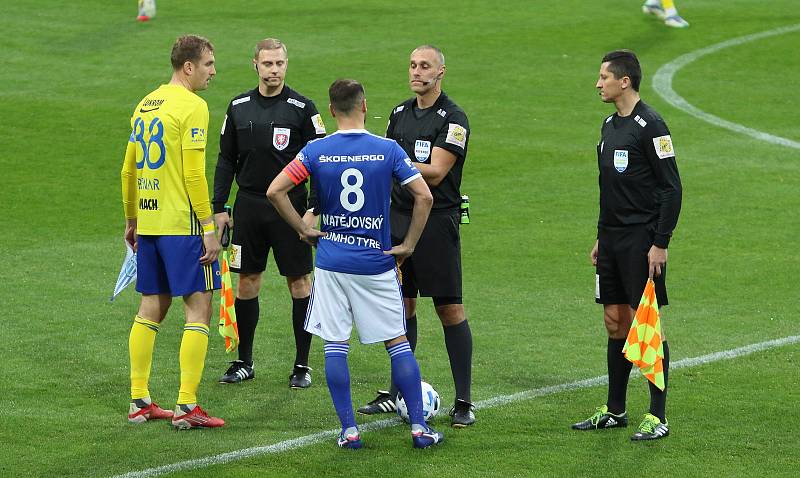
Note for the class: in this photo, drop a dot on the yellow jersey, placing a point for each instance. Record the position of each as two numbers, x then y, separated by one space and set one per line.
171 191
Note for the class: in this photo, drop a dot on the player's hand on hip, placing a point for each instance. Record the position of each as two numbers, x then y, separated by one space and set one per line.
212 247
309 219
593 254
656 260
311 235
400 252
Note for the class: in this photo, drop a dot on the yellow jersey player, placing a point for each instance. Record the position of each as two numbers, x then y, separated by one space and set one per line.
665 10
170 226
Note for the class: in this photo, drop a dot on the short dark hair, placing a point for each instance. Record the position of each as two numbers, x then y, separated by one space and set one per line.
345 95
189 48
624 63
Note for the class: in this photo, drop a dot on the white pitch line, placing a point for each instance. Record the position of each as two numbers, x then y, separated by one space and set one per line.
662 84
307 440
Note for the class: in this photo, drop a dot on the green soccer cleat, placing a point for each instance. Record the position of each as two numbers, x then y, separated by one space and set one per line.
651 428
602 419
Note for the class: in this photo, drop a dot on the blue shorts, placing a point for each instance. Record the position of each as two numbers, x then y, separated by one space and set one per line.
171 265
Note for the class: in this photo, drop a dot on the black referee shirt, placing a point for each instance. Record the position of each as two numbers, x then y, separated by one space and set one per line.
261 135
418 131
639 181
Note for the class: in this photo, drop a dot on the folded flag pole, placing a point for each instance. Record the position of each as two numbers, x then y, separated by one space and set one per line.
228 328
127 273
644 346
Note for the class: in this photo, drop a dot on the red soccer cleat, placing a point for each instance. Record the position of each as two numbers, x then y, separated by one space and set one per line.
197 418
150 412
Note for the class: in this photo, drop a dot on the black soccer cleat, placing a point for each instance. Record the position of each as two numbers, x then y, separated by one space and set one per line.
602 419
462 414
300 377
383 403
651 428
237 372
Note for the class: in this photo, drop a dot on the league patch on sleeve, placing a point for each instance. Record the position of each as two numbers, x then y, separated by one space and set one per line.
319 126
198 136
457 135
663 145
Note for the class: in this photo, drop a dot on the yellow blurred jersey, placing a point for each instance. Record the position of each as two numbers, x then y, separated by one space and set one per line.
167 122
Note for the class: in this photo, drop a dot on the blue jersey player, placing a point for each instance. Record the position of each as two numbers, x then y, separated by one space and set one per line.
355 277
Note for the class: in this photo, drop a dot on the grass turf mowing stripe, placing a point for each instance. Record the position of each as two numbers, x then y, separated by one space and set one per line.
492 402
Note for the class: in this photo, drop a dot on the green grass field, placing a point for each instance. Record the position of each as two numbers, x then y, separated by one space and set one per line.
524 71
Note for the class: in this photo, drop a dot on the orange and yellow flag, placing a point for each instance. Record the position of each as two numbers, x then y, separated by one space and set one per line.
227 313
643 347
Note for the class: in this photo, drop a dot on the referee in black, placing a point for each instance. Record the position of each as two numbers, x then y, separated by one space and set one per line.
640 199
434 131
263 131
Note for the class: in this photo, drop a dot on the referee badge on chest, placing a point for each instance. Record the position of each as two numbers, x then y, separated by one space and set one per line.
422 150
280 138
620 160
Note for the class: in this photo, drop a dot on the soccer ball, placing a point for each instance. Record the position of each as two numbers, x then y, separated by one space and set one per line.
147 10
430 403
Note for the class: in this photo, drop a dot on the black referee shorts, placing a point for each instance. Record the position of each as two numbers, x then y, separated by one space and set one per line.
622 266
434 270
257 228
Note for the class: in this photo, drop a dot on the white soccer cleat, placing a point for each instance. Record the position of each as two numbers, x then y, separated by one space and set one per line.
675 21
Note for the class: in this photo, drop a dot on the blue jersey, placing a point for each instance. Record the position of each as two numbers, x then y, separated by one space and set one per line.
352 172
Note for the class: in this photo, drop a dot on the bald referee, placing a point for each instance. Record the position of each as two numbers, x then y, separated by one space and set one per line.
434 132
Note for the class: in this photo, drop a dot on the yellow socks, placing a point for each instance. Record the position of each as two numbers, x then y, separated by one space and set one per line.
192 357
140 346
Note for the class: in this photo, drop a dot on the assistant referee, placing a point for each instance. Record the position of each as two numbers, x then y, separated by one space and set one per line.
640 200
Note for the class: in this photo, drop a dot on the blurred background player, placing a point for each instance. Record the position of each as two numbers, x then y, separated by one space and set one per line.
640 201
170 225
147 10
434 132
665 10
263 131
355 278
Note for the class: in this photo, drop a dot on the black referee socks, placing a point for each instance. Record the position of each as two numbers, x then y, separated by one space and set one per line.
619 369
246 319
302 339
458 340
658 398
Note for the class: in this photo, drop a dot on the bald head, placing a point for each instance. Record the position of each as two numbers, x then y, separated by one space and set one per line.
437 53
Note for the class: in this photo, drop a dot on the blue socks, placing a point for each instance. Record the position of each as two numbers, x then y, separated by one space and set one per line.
406 376
337 374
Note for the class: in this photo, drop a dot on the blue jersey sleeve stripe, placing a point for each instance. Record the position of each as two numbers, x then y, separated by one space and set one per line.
408 180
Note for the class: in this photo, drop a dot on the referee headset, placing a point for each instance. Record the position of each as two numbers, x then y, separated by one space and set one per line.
435 78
